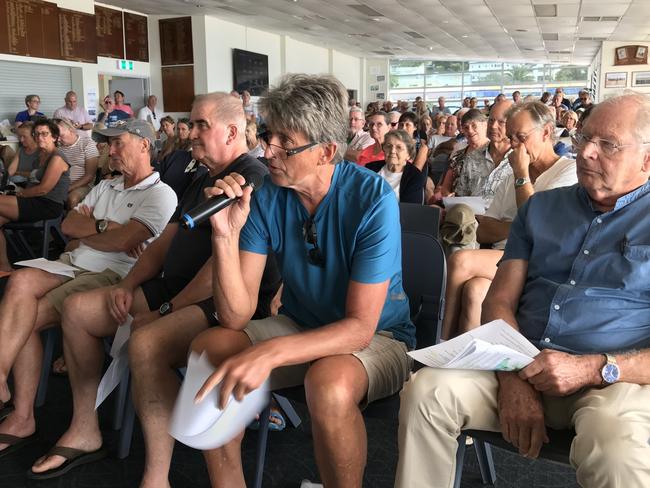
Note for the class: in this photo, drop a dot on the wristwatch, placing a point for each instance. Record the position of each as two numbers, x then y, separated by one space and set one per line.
101 225
166 308
521 182
610 372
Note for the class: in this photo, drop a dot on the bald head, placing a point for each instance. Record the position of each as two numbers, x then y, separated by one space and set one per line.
225 109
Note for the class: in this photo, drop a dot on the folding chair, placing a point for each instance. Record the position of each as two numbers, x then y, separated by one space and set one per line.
15 234
424 276
420 218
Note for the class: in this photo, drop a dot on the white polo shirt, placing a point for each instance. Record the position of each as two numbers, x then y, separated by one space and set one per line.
151 202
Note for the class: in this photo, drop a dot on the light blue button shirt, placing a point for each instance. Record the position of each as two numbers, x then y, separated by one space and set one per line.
588 284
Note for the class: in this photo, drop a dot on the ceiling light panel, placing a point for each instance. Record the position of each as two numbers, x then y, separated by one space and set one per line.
544 10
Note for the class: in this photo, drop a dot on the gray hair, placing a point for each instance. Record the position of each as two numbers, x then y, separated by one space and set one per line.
473 114
642 118
313 105
404 137
227 109
356 109
539 113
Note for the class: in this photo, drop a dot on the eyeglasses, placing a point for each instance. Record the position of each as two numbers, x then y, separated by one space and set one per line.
608 148
521 138
314 255
389 147
41 134
279 151
394 124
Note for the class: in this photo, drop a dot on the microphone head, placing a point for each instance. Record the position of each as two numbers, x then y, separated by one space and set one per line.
255 177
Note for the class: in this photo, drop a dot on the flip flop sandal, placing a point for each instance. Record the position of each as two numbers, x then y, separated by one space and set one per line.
73 458
276 422
15 443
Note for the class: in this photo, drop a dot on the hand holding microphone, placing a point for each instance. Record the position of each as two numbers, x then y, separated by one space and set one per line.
234 188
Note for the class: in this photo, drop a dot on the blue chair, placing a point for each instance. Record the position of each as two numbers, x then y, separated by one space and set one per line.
424 276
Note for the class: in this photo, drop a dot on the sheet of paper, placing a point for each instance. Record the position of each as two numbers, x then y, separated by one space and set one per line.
204 425
497 332
121 337
477 204
484 356
119 365
54 267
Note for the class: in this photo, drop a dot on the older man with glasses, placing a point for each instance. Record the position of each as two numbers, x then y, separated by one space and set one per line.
344 327
573 281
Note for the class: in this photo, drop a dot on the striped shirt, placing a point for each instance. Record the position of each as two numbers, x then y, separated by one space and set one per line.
77 154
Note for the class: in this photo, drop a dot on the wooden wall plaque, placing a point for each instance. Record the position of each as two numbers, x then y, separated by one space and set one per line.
136 34
78 34
178 88
28 29
176 41
110 32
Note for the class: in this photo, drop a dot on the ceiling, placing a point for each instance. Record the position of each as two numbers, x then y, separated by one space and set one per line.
546 31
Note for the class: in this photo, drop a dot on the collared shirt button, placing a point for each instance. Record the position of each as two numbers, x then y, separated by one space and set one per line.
585 252
547 339
599 220
573 282
556 307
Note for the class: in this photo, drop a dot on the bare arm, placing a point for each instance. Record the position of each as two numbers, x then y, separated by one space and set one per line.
89 175
13 166
79 224
51 177
151 261
121 239
491 230
421 157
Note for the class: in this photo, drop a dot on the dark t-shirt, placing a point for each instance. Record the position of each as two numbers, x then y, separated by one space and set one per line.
191 248
178 170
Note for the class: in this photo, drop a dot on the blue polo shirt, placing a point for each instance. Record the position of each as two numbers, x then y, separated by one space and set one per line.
358 232
24 116
588 283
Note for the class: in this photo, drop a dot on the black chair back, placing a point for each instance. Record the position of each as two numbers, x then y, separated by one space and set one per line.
424 276
420 218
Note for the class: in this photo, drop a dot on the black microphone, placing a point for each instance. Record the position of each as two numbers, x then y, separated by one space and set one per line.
213 205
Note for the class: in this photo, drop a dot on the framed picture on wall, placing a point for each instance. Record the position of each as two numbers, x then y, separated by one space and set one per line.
616 79
641 78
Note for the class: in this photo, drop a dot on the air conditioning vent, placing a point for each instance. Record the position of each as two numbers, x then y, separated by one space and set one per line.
233 10
414 35
383 53
600 19
545 10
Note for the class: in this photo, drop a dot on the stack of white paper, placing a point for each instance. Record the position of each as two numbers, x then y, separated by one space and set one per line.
495 346
204 425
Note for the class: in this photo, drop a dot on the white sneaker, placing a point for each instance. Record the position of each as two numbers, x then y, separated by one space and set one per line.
309 484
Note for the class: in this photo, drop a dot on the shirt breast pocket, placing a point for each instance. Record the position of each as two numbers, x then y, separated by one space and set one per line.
637 264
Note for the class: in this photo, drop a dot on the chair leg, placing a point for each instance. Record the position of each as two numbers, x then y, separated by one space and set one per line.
126 433
485 462
460 459
262 440
47 237
48 337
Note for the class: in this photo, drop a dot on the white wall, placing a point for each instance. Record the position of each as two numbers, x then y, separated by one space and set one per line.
607 54
305 58
348 69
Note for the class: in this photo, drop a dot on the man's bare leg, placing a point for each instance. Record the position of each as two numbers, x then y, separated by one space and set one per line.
334 387
224 464
461 267
155 350
85 321
474 293
26 372
19 311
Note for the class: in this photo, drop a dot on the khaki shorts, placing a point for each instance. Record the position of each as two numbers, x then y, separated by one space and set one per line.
385 359
82 281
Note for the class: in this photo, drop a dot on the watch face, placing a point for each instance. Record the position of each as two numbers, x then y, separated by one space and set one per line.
164 308
611 373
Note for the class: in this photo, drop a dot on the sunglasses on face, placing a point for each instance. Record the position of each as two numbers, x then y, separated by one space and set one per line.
315 256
